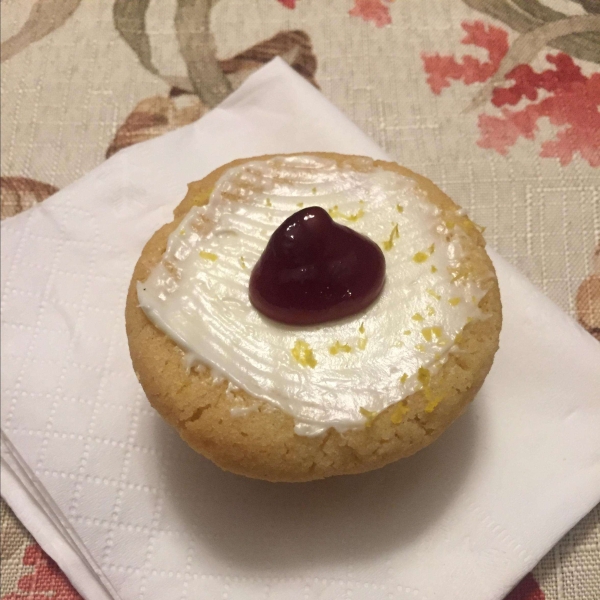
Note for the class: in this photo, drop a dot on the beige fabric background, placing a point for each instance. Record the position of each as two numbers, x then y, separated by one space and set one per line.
65 96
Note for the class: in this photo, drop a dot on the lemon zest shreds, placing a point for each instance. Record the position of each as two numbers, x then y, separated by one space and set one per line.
421 257
303 354
339 347
399 413
429 332
335 213
424 377
369 415
394 235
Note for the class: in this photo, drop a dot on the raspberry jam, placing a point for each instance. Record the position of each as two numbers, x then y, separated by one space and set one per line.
314 270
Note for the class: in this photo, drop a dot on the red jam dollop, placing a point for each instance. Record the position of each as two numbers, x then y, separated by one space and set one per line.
314 270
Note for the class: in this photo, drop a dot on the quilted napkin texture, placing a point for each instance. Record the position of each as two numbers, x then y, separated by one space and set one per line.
128 511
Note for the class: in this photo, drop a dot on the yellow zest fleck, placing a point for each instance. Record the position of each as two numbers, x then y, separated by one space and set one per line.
369 415
420 348
399 413
430 311
314 190
399 208
433 294
182 232
208 255
355 216
454 301
407 332
404 378
303 354
334 213
421 257
426 332
339 347
362 342
424 377
417 317
450 224
473 299
243 262
462 272
300 204
268 202
433 269
432 404
394 235
429 332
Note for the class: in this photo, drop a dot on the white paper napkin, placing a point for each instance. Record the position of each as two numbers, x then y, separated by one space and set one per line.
128 511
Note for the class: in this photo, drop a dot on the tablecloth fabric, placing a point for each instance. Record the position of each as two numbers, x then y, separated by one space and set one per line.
506 122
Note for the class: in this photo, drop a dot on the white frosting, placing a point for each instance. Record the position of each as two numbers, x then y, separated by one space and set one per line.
198 294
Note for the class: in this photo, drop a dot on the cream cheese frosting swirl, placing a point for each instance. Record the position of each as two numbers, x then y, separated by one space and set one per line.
336 374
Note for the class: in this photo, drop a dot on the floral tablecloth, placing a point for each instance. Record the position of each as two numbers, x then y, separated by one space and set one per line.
497 101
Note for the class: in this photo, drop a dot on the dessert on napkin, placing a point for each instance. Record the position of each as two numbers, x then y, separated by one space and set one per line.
479 508
313 315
